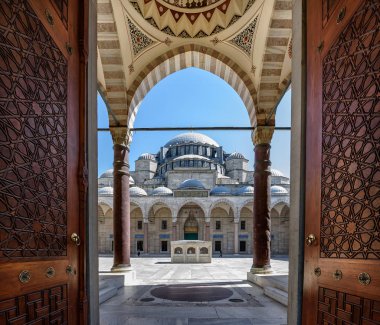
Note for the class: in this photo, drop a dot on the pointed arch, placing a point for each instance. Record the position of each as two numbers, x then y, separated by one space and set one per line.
186 56
223 201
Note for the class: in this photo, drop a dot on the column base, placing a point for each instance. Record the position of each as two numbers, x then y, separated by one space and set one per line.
121 268
261 270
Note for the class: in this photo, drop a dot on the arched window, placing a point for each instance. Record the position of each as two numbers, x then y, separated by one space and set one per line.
178 250
204 250
191 250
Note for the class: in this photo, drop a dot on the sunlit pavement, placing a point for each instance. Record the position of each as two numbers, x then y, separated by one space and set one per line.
240 303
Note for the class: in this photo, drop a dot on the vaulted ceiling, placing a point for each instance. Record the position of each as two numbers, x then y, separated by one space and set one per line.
248 43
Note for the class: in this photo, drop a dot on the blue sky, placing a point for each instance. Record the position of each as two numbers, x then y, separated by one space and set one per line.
194 97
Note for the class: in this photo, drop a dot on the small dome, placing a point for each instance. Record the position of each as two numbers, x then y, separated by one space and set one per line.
107 174
191 138
137 191
276 172
245 190
220 190
275 189
105 191
147 156
235 155
191 157
162 191
190 184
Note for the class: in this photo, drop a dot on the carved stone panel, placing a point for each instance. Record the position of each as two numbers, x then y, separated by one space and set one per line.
33 136
48 306
350 180
335 307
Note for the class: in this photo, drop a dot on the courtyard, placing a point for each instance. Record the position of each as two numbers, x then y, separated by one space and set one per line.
184 294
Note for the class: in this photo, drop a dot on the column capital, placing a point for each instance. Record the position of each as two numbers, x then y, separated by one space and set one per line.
262 134
121 136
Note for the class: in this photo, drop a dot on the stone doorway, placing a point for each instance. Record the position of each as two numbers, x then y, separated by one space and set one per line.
191 228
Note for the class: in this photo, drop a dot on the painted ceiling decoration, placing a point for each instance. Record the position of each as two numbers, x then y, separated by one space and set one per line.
191 18
138 39
244 40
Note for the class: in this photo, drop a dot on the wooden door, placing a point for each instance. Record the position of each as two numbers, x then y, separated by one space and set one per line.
342 265
41 154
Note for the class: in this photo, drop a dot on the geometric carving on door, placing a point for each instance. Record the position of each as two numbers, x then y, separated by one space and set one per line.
48 306
350 180
33 136
62 8
335 307
328 7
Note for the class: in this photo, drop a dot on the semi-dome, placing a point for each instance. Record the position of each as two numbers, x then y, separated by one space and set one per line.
235 155
107 174
147 156
191 138
197 157
276 172
275 189
162 191
220 190
137 191
191 184
245 190
105 191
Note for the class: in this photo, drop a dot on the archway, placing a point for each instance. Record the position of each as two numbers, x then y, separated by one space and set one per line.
190 228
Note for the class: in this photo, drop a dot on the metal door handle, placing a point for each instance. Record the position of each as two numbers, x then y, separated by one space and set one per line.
75 238
310 240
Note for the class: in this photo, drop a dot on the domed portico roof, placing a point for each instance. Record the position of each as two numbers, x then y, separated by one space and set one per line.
220 190
275 189
191 184
191 138
162 191
245 190
137 191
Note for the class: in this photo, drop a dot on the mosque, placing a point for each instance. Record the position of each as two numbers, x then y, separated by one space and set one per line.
192 189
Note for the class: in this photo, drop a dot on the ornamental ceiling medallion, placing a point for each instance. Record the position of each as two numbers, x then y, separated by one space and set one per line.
139 40
191 18
244 39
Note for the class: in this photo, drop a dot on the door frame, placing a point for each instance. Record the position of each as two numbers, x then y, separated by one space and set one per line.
92 274
297 163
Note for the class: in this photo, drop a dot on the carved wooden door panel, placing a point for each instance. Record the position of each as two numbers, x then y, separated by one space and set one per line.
342 251
39 150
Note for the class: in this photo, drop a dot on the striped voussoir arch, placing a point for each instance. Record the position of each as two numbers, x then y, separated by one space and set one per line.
192 56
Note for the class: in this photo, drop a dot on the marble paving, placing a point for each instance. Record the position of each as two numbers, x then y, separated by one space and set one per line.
246 303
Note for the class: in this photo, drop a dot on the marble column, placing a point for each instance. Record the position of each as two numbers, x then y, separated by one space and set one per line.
236 237
174 230
262 197
207 230
121 205
146 222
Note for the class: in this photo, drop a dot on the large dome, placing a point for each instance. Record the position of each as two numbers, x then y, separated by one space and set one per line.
191 184
191 138
276 172
191 157
105 191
